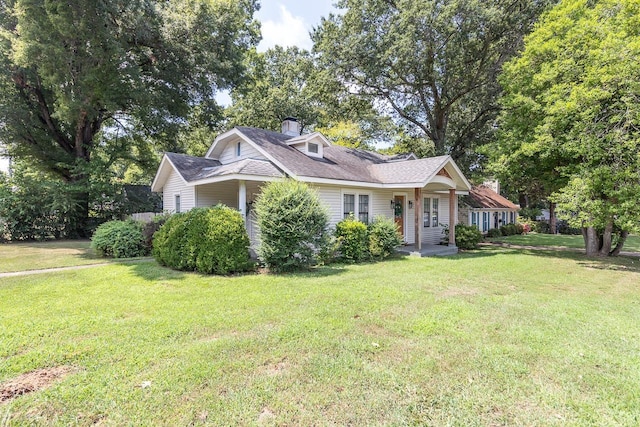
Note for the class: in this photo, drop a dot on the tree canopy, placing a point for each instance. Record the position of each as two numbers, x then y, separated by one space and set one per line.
571 119
430 65
79 76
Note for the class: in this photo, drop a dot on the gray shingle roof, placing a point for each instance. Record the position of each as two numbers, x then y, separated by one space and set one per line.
199 168
342 163
409 171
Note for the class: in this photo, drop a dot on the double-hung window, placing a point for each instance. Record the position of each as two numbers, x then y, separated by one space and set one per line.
512 217
504 218
349 205
356 204
430 211
363 208
426 213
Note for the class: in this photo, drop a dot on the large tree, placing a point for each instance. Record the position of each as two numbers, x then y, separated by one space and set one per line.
74 75
288 82
572 117
432 65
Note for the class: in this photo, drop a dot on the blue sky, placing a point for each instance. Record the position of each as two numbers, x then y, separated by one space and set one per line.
288 22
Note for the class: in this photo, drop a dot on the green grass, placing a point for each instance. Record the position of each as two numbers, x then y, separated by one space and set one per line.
632 244
490 337
37 255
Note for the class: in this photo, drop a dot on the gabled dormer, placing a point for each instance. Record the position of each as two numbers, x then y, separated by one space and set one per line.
312 144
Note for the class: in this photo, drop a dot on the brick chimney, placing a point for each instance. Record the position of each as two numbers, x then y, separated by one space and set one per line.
291 126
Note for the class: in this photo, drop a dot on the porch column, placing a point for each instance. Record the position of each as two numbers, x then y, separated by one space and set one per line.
453 202
242 198
417 212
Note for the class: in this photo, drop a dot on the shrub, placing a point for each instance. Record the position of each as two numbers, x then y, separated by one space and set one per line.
293 225
383 237
494 232
207 240
520 228
467 236
150 228
509 230
119 239
565 228
352 239
542 227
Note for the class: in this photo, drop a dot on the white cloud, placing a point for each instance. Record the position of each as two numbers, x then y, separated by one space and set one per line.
288 31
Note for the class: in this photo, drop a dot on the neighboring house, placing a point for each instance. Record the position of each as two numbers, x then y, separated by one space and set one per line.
419 194
486 209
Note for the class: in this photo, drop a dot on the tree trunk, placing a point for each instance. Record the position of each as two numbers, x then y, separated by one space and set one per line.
552 219
620 244
605 249
591 241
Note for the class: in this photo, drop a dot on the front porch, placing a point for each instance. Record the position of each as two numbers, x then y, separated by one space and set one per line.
427 250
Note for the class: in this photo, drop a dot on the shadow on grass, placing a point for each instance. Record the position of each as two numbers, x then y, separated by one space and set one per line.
620 263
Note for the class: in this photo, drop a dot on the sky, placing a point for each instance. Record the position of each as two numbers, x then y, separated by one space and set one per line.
288 22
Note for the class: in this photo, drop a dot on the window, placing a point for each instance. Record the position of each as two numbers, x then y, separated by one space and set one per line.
363 208
238 148
474 218
426 217
358 205
434 212
485 222
430 211
512 217
349 205
504 218
313 148
177 205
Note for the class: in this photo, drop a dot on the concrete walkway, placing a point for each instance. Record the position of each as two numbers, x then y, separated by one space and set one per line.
73 267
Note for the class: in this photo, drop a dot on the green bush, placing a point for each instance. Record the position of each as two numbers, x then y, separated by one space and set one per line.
467 236
119 239
352 239
293 225
494 232
383 237
519 228
509 230
150 229
207 240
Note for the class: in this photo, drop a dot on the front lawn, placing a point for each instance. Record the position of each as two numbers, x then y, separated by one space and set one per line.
632 244
36 255
490 337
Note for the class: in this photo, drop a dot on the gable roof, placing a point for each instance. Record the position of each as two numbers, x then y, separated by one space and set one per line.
338 163
483 197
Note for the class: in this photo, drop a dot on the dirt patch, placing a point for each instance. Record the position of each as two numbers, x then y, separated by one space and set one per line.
32 381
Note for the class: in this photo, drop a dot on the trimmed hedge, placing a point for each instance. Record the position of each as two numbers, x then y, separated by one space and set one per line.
494 232
352 239
293 226
120 239
207 240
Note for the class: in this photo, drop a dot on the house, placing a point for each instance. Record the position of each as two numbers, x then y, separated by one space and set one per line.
485 208
421 195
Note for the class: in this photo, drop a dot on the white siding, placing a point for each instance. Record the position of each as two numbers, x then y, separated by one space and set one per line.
331 196
212 194
246 151
434 235
176 186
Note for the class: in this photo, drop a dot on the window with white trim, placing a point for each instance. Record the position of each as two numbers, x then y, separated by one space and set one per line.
512 217
238 149
349 205
430 215
357 204
177 203
312 148
363 208
474 218
485 221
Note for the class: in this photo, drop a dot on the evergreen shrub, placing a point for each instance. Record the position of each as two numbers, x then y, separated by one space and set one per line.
383 237
293 225
208 240
120 239
352 239
494 232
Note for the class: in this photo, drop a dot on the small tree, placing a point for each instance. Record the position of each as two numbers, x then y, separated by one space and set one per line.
383 237
293 225
352 239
